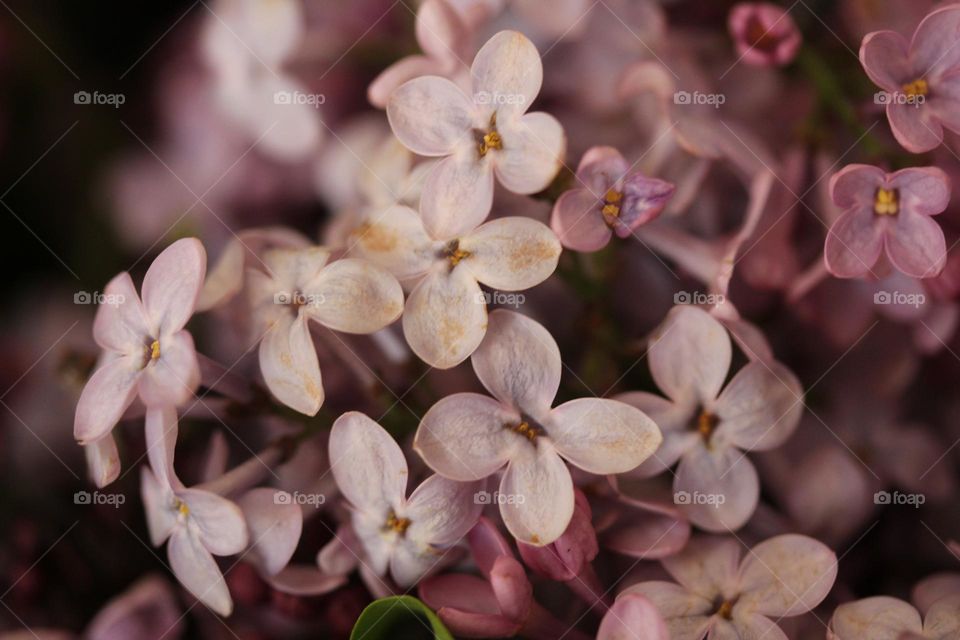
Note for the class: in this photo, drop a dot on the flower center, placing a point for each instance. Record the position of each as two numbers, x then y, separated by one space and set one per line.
760 37
397 525
526 428
918 87
489 139
152 351
181 507
886 202
706 424
454 253
724 608
611 203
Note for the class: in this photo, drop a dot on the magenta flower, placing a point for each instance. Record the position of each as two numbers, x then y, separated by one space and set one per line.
613 199
406 535
887 213
198 524
708 430
486 134
764 34
885 618
920 78
146 351
469 436
719 596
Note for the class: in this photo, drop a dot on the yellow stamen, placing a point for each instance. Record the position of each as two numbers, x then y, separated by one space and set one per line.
525 429
726 610
155 350
456 255
182 507
399 525
886 202
706 423
491 140
611 203
918 87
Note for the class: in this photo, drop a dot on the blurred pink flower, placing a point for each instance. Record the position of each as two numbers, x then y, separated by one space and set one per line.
612 198
707 430
764 34
633 617
721 596
469 436
479 136
887 213
146 350
920 78
406 535
886 618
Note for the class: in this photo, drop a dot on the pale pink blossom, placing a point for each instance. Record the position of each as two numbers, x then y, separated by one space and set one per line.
407 536
886 618
720 596
196 524
764 34
469 436
709 430
146 351
887 214
479 136
633 617
919 78
298 286
445 317
610 198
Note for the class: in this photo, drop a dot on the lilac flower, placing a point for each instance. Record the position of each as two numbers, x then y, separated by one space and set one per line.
632 617
147 353
718 595
147 610
763 33
708 430
885 618
346 295
468 436
408 536
197 524
481 136
445 317
613 199
921 78
887 213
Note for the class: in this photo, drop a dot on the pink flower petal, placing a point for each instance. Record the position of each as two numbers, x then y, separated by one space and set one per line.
172 378
853 244
148 610
632 617
457 194
578 223
511 588
690 355
602 436
756 626
107 394
160 437
532 154
914 127
674 422
916 246
508 64
354 296
519 363
877 618
511 254
884 56
687 614
157 500
401 71
931 47
462 436
103 460
196 570
445 317
459 591
220 524
855 186
707 566
367 463
304 580
430 115
487 544
760 408
728 480
274 527
394 239
442 511
172 284
786 575
943 619
440 31
288 362
121 323
536 495
923 190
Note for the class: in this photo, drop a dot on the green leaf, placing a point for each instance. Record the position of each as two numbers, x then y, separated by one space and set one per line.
399 618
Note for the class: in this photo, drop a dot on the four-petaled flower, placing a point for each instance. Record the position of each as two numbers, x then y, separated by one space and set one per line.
469 436
886 618
887 213
920 78
708 430
407 535
481 135
613 199
720 596
146 350
764 34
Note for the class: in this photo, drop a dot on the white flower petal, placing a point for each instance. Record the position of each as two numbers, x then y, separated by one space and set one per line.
367 464
394 239
196 570
457 194
354 296
219 522
507 65
532 154
107 394
536 495
760 408
121 322
288 362
786 575
157 501
690 355
728 480
511 254
442 511
103 460
174 376
430 115
172 284
274 526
